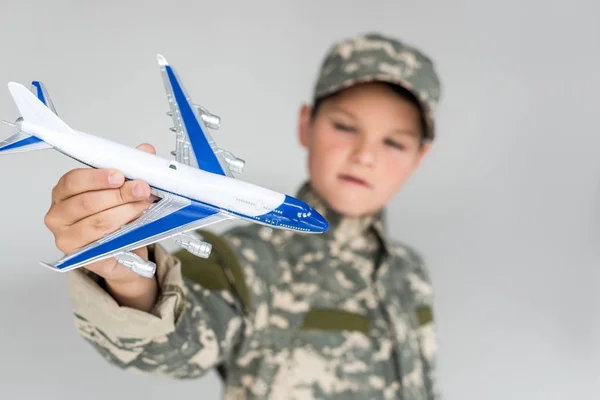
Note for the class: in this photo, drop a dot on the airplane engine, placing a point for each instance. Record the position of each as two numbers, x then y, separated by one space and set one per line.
194 245
211 120
234 163
137 264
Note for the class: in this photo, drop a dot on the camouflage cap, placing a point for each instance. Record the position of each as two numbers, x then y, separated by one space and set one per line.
375 57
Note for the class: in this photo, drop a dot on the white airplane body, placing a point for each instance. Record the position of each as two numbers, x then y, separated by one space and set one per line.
158 172
195 190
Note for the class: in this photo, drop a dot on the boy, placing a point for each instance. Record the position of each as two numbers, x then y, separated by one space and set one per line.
344 314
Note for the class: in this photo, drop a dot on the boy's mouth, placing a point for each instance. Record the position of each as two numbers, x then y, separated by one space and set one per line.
353 180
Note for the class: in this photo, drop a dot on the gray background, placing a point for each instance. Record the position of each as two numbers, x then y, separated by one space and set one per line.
506 209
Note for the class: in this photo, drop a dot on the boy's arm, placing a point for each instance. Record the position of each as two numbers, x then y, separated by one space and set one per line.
193 326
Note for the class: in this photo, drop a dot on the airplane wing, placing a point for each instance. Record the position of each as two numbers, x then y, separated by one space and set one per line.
194 144
169 217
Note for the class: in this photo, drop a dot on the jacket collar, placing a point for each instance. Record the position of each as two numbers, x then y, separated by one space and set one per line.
341 227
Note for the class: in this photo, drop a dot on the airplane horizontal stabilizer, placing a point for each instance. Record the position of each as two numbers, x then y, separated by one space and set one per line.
22 142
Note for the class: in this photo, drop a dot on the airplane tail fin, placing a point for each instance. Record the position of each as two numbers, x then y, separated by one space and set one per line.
35 107
33 110
39 89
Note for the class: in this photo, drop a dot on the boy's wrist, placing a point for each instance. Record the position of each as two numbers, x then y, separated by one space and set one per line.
135 287
135 291
140 293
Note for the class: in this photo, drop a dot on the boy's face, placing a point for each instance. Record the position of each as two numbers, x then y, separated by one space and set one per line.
363 144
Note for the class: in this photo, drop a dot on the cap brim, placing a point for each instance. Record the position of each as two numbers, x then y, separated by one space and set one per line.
330 90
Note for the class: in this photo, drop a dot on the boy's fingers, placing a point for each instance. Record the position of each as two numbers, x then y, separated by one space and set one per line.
81 206
85 179
82 180
95 226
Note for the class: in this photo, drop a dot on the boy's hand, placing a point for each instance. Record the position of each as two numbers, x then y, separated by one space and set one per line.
88 203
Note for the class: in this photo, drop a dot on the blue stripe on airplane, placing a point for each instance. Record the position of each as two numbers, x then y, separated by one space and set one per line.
207 160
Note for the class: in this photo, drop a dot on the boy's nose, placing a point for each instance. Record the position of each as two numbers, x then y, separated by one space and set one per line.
367 158
364 154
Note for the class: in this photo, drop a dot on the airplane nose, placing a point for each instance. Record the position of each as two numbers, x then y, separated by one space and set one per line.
318 222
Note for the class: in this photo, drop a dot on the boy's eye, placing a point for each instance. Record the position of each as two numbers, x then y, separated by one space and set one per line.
395 144
343 127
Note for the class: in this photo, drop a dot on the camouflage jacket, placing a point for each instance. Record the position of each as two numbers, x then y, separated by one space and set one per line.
281 315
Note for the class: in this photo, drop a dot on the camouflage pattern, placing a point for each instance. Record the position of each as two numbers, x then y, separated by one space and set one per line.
375 57
341 315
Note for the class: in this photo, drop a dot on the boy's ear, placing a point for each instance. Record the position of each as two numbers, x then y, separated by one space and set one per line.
304 123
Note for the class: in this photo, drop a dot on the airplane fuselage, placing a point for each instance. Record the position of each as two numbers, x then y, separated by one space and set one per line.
236 197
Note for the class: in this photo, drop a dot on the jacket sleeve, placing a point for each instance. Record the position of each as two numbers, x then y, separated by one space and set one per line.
426 331
194 326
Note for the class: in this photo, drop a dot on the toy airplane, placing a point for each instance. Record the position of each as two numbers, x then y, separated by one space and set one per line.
195 190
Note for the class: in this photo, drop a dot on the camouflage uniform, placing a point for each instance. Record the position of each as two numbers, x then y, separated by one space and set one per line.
282 315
